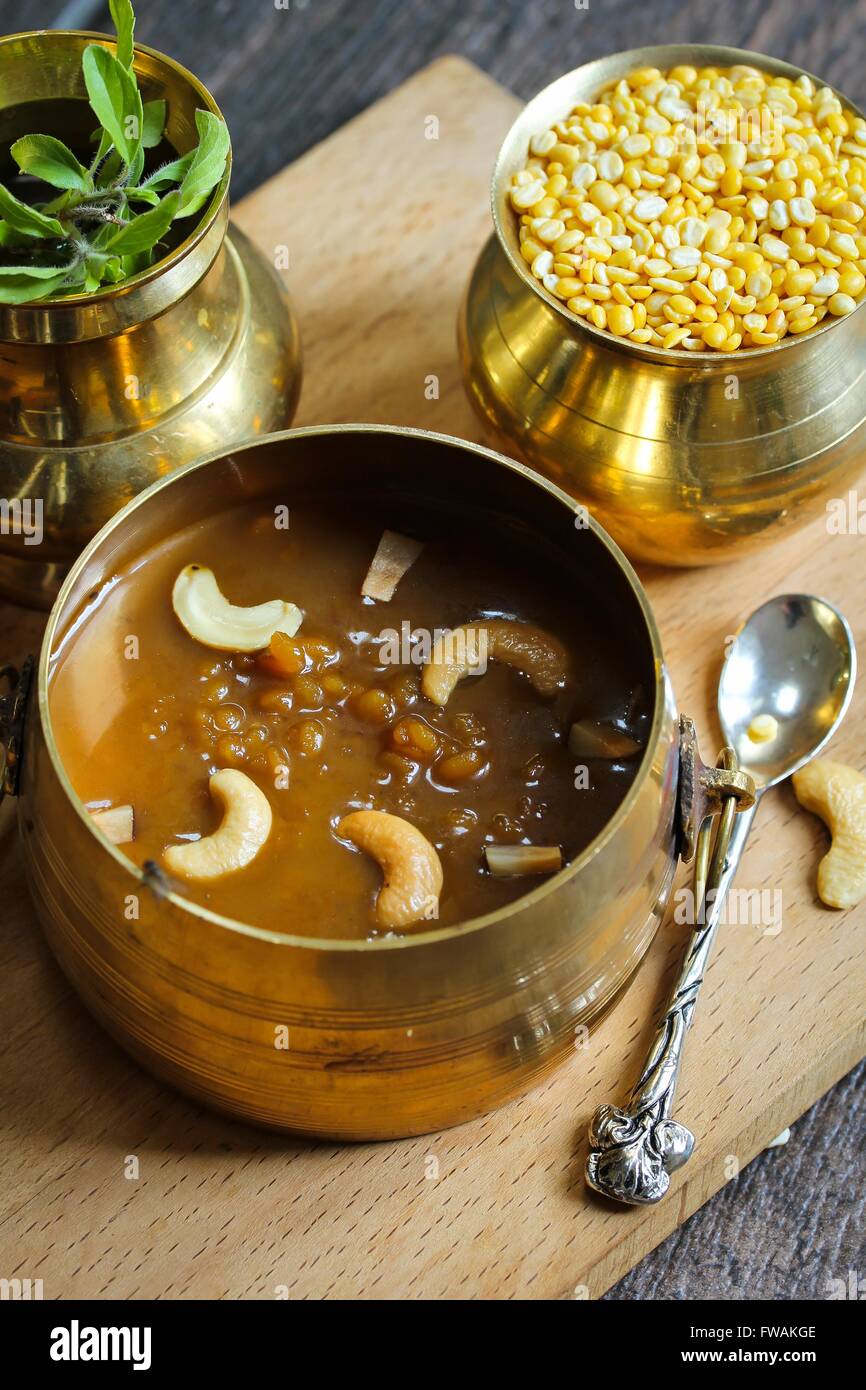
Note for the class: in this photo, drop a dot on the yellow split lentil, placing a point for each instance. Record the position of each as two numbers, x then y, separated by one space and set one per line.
728 204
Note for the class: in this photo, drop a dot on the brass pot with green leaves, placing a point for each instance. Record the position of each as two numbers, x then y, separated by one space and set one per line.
138 329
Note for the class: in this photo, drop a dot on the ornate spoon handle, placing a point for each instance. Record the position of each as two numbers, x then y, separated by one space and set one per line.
634 1149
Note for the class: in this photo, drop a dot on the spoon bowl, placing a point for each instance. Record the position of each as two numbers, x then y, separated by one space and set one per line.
794 659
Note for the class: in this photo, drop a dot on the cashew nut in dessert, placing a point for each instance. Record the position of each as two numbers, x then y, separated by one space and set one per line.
465 651
394 556
244 828
837 794
409 863
209 617
117 823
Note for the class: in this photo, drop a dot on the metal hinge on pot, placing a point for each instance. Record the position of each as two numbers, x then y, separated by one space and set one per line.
702 790
12 710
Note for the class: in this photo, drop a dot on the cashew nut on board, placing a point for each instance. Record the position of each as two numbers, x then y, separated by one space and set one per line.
410 866
465 651
837 794
245 826
208 616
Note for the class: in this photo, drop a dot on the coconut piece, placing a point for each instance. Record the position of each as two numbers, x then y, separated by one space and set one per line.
395 554
504 861
117 823
590 738
209 617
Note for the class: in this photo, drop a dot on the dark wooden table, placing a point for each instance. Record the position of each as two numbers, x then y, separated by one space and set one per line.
285 78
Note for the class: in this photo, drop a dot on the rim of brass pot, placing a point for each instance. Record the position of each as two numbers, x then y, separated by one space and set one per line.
582 84
380 943
67 318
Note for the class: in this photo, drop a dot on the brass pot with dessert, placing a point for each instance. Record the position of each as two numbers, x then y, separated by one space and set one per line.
350 781
668 320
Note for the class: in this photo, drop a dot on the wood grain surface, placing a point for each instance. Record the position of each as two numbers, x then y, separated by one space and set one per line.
220 1210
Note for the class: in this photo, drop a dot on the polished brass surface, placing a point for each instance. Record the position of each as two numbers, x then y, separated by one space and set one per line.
686 458
101 394
387 1037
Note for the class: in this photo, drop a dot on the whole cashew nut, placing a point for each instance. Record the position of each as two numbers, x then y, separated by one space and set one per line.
208 616
409 863
244 828
837 794
465 651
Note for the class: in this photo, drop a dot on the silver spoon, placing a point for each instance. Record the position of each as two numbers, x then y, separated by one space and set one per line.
793 659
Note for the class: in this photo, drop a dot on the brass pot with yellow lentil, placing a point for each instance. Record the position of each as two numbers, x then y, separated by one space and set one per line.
691 207
708 207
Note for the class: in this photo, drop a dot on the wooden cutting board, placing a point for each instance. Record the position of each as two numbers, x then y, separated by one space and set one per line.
382 226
